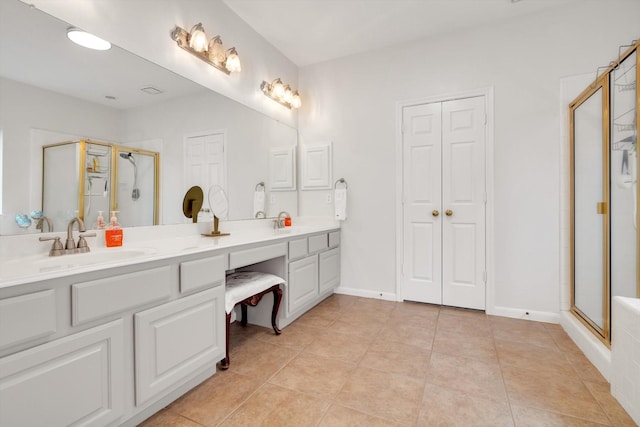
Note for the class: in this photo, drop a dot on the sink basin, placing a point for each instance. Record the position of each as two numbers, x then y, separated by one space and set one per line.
43 263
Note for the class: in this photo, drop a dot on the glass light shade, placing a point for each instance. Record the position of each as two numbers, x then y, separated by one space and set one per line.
296 102
277 89
288 95
198 38
233 61
87 40
217 54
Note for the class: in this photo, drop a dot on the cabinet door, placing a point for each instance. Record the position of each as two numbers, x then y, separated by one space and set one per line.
329 269
76 380
177 339
303 282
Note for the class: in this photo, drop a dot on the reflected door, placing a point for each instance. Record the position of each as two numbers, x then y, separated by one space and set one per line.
590 219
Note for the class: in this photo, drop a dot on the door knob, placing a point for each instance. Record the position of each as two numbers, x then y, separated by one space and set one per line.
435 212
448 212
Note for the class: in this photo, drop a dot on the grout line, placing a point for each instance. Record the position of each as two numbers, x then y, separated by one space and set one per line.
504 384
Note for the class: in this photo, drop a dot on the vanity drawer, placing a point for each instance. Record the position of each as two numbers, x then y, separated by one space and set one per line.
334 239
297 248
202 273
27 317
103 297
252 256
318 243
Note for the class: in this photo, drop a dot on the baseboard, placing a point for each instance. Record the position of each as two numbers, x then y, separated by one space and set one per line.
387 296
518 313
592 347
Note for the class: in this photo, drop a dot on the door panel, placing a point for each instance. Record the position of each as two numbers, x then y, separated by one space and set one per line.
463 192
422 194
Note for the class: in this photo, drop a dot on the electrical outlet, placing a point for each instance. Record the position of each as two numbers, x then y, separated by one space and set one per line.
328 199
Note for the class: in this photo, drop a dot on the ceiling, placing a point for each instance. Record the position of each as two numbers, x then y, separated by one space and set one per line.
312 31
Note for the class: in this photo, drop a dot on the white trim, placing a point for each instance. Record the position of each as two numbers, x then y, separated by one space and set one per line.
188 135
518 313
487 93
592 347
387 296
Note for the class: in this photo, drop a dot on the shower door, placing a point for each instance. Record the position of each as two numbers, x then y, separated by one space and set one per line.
589 151
136 188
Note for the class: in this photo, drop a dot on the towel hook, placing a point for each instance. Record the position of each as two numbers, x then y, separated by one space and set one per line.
259 186
341 181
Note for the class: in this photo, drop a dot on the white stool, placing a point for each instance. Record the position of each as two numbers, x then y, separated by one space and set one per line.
247 288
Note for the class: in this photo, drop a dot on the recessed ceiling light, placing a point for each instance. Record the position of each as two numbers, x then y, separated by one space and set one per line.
87 40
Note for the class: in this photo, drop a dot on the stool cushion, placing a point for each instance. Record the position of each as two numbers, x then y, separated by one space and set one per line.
245 284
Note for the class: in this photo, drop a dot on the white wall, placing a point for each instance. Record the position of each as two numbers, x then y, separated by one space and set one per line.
144 27
352 102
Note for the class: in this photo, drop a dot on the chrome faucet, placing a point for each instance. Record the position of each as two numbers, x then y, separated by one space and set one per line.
71 244
280 222
41 222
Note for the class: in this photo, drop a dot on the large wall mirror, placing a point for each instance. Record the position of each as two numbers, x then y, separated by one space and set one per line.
53 91
604 188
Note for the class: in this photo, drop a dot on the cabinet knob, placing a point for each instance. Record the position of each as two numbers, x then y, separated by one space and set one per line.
448 212
435 212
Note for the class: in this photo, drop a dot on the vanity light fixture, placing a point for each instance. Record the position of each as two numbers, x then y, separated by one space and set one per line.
210 51
87 40
281 93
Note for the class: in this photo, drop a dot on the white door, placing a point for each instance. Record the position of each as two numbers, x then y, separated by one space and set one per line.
444 209
205 161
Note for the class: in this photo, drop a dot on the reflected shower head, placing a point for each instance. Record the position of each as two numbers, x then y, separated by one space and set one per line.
129 157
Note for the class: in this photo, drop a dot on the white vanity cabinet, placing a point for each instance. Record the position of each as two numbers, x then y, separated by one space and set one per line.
314 270
75 380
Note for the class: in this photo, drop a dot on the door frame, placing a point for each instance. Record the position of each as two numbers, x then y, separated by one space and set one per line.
487 93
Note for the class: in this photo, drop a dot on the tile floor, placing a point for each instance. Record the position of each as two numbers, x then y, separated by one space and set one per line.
363 362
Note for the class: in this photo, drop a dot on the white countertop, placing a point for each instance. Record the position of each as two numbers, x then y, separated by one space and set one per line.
24 259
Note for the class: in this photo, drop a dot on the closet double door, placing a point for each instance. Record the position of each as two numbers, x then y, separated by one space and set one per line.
444 199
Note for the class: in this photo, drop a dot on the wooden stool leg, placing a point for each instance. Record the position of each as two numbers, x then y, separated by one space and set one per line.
243 308
277 298
224 364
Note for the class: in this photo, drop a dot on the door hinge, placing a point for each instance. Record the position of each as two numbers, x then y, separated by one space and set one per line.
484 277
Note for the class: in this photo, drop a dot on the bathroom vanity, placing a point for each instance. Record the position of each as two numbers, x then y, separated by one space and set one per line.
111 337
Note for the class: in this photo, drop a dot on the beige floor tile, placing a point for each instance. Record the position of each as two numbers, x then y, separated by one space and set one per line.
473 326
476 377
617 414
584 368
275 406
390 396
527 334
463 312
414 335
259 360
528 356
530 417
397 360
216 398
316 320
294 336
338 302
446 407
346 348
362 327
563 341
453 343
166 418
508 323
551 392
339 416
317 375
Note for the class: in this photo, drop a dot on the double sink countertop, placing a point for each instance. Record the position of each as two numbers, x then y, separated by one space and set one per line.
24 259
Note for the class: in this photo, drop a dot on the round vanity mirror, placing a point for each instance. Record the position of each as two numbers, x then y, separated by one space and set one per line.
192 203
219 206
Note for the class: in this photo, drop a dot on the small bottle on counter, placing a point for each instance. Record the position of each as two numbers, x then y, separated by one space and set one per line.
100 224
113 234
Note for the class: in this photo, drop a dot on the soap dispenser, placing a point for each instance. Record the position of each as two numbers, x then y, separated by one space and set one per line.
100 224
113 234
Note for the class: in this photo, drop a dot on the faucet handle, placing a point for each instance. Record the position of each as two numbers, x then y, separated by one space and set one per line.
83 246
56 248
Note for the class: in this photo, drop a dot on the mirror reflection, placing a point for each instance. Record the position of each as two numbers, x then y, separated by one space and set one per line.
54 91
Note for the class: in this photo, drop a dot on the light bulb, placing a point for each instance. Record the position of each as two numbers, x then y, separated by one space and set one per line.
277 89
233 61
288 95
296 102
217 54
198 38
